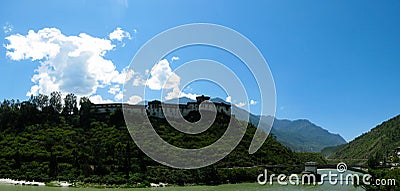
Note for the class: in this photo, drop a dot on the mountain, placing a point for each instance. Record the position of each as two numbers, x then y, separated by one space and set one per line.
299 135
328 151
303 136
219 100
181 100
379 142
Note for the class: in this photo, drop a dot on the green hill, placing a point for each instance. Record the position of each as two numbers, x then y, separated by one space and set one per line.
379 142
328 151
43 140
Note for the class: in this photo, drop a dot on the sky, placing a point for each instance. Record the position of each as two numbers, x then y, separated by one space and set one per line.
335 63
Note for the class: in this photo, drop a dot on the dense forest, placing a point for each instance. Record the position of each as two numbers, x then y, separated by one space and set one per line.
378 144
376 149
56 138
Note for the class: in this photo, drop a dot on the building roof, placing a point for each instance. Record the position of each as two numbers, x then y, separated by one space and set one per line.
311 163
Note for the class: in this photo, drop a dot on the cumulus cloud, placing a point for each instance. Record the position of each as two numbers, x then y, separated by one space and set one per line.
119 96
176 93
97 99
240 104
68 63
228 99
138 81
119 34
8 28
135 99
114 89
162 77
174 58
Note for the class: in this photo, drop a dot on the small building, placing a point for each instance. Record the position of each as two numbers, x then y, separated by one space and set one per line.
112 107
310 174
105 107
311 167
134 108
202 98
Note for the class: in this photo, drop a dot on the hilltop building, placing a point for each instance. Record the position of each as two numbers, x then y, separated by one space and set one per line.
155 108
112 107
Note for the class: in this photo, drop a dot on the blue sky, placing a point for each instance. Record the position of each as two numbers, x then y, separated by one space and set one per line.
335 63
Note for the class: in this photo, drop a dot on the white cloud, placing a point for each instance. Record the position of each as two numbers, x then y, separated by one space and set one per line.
241 104
228 99
119 34
162 77
97 99
138 81
253 102
127 75
67 63
35 46
33 91
119 96
174 58
176 93
189 95
114 89
134 99
8 28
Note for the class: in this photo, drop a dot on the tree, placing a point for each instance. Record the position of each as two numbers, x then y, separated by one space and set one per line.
55 101
70 104
43 101
40 101
85 104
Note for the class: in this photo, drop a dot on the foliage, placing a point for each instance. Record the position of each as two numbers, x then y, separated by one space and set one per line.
328 151
43 140
389 179
307 157
379 143
304 136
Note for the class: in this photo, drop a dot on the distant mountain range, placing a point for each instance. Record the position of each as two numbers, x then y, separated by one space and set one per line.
379 142
299 135
304 136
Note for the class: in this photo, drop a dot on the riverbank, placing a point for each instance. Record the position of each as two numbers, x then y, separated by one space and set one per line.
20 182
223 187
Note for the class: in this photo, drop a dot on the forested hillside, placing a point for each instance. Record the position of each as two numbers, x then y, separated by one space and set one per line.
378 144
304 136
376 149
48 138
